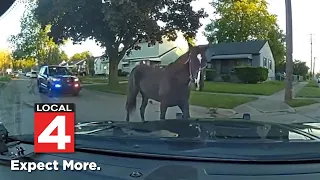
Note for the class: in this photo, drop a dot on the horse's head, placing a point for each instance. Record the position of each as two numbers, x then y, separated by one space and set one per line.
197 60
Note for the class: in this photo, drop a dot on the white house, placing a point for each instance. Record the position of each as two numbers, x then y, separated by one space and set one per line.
156 55
79 65
101 65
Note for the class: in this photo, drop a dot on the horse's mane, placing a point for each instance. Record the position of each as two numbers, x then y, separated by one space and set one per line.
178 62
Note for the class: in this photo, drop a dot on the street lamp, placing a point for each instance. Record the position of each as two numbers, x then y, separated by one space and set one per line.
289 48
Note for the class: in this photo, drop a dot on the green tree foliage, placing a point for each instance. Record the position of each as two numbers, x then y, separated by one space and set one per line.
118 23
5 60
243 20
33 41
81 56
24 64
300 68
64 56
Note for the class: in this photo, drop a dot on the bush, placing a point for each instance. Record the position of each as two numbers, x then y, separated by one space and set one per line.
226 77
252 75
210 74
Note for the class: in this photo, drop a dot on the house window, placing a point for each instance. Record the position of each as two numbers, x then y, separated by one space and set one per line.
211 65
270 64
265 62
225 67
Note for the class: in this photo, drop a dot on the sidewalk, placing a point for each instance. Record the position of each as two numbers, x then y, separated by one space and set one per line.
270 104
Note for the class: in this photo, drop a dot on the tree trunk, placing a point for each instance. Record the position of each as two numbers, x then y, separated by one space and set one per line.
113 71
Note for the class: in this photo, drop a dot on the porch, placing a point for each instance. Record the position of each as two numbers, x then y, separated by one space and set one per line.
225 64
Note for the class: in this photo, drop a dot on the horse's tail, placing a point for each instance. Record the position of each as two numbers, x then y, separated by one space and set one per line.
133 90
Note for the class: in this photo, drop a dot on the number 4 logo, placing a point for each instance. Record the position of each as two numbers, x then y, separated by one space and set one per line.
46 123
61 138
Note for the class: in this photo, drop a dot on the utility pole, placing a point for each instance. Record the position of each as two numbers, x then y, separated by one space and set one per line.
311 42
289 48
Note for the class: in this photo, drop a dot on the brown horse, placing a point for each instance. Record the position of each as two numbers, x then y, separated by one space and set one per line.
169 86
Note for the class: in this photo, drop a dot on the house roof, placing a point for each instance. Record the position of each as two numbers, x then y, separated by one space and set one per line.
71 63
151 57
248 47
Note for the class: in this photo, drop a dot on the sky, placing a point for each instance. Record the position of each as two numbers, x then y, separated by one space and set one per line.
304 24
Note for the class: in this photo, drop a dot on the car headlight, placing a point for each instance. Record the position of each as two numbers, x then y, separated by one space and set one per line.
55 79
75 79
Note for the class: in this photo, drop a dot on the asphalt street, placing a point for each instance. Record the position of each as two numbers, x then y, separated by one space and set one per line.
90 106
16 108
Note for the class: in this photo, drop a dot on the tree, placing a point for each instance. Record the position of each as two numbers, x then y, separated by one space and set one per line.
277 41
300 68
25 64
81 56
63 56
243 20
33 41
5 60
118 23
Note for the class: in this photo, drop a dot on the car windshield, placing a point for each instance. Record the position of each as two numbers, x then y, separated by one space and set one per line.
193 70
59 71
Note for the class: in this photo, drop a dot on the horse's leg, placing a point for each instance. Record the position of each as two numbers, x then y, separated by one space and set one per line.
185 110
163 110
143 106
128 113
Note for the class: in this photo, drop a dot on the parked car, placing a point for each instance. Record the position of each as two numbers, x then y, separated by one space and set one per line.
53 79
28 74
15 75
34 74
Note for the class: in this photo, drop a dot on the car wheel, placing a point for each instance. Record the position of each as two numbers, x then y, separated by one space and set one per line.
50 93
40 89
75 93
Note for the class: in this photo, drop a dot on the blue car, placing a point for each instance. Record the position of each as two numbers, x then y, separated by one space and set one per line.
59 79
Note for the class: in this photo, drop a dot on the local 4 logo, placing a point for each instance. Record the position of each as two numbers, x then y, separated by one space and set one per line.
54 127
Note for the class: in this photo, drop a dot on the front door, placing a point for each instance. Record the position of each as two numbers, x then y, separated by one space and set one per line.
225 67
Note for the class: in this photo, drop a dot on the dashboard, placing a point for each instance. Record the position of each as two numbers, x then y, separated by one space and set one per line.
115 167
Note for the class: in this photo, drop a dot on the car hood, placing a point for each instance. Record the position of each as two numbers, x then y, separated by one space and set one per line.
63 76
214 129
220 139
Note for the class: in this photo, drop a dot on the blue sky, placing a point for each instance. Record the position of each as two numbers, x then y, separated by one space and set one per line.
304 23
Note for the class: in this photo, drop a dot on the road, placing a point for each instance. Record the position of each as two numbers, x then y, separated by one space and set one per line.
16 108
90 106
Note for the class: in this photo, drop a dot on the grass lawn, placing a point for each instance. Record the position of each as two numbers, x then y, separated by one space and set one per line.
312 84
311 90
266 88
5 78
197 98
302 102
